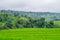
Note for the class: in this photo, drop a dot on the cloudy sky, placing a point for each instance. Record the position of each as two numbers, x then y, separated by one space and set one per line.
31 5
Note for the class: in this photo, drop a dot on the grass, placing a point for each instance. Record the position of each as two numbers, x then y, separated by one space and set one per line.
31 34
57 24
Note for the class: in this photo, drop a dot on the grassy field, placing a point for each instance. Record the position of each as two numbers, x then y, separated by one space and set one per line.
31 34
57 24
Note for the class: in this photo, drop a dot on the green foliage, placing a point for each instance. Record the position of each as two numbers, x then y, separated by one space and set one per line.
9 20
50 24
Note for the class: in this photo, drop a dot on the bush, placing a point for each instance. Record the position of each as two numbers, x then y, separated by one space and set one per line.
50 24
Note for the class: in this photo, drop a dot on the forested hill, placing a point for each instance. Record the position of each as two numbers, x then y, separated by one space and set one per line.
46 15
20 19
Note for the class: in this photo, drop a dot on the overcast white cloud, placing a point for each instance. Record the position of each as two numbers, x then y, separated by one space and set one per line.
31 5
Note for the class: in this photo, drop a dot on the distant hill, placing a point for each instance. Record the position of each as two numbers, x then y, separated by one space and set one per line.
47 15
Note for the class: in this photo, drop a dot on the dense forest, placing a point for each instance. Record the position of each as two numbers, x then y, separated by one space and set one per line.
20 19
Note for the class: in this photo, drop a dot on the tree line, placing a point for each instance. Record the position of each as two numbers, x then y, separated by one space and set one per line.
10 21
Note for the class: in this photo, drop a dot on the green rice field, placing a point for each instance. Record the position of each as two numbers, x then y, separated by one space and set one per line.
30 34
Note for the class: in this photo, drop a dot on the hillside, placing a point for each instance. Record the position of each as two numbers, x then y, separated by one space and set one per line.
19 19
47 15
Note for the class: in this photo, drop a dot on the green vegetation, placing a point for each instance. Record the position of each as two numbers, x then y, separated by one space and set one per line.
31 25
12 20
9 21
31 34
57 24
